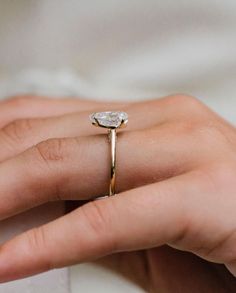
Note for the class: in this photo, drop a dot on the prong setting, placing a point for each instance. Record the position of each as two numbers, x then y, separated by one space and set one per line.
109 119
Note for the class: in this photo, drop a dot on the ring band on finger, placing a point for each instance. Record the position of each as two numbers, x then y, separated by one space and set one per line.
111 120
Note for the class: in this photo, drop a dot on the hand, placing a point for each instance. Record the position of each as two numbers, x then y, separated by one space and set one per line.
176 183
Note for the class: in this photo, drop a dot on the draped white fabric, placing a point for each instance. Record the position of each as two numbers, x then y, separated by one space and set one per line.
109 49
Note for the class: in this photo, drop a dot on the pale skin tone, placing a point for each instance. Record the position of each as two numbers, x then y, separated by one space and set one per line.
170 228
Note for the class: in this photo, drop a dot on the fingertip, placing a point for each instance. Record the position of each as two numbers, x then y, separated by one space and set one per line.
17 261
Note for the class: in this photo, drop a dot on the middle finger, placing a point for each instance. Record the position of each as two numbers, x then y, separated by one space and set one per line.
24 133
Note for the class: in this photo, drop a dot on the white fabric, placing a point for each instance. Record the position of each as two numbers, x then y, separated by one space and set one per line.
109 49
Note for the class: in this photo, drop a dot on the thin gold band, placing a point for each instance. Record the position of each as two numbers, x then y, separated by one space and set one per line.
112 139
111 120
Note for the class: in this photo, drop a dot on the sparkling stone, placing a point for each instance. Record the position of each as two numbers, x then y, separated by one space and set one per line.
109 119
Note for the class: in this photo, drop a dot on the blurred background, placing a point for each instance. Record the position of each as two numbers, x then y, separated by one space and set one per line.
113 50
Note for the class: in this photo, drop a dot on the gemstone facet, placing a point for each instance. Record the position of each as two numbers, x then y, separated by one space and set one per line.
109 119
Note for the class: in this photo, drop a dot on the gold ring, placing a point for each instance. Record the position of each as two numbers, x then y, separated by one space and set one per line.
111 120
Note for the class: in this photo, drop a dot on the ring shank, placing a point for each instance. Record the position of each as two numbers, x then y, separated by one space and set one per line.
112 138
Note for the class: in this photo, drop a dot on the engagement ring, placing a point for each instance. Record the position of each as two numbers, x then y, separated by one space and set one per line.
111 120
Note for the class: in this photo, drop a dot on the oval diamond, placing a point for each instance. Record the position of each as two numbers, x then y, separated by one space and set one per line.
109 119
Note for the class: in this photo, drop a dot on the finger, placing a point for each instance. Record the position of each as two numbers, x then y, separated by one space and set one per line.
21 134
174 211
94 230
79 168
33 106
156 214
171 107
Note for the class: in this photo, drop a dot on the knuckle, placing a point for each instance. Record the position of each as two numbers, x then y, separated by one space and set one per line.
185 227
53 157
185 99
53 150
191 106
36 241
98 218
19 129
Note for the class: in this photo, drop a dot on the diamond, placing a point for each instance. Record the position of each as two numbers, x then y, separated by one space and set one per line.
109 119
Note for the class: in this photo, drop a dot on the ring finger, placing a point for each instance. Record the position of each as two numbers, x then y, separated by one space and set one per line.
78 168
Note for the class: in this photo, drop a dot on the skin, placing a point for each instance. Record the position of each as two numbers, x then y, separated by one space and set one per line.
172 226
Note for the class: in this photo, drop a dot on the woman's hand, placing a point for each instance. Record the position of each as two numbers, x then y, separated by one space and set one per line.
176 178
